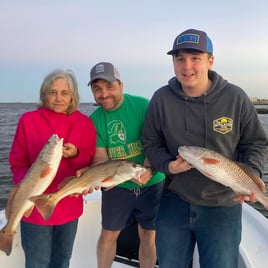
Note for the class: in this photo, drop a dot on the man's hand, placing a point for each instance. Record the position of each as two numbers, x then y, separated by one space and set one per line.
241 198
245 198
178 166
144 178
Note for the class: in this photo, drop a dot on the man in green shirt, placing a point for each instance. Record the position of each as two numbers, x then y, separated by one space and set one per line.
119 122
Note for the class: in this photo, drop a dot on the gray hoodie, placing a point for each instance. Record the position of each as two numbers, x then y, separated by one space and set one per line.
223 119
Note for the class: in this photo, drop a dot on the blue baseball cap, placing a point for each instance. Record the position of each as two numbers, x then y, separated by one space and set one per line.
192 39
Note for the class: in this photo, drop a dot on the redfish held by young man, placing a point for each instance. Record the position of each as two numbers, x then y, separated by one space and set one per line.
225 171
106 174
35 182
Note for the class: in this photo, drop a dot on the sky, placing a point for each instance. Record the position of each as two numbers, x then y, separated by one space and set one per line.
38 36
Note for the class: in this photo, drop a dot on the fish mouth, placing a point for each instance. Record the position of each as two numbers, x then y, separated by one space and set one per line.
181 148
139 173
150 167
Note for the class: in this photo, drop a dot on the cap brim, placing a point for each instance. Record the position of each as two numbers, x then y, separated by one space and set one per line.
106 78
171 52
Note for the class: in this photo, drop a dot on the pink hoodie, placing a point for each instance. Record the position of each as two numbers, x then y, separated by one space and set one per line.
33 131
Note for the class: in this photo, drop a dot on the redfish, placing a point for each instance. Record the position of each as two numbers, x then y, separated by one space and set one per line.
106 174
215 166
35 182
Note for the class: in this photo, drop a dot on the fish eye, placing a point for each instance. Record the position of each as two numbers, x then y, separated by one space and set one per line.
135 165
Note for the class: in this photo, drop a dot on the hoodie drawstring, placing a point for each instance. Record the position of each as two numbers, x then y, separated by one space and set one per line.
186 116
206 119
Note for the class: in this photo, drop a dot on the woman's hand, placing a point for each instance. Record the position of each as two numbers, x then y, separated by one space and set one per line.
69 150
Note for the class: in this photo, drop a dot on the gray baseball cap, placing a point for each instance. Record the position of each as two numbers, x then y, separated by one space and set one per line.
192 39
105 71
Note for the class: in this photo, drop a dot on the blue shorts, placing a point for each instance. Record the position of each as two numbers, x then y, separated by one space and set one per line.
123 206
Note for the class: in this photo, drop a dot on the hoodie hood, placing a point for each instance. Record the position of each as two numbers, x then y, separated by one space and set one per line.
210 96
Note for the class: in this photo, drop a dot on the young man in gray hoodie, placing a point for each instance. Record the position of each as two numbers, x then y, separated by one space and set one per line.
200 108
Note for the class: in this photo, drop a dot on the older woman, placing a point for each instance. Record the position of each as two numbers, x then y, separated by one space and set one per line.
48 244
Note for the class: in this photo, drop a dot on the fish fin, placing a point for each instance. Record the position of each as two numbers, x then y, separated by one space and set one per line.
109 188
246 168
249 171
210 161
45 204
6 241
207 174
10 199
109 179
98 163
29 211
65 181
45 172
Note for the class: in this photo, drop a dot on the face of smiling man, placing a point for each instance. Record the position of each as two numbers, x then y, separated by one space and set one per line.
108 95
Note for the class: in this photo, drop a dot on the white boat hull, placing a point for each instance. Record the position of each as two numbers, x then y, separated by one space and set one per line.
253 247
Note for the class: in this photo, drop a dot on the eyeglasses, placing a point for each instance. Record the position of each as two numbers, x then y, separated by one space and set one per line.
62 93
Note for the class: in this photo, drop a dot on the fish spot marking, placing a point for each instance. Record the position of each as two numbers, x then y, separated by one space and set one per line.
210 161
45 172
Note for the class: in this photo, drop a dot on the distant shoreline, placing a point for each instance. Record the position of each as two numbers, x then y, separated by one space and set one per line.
260 102
255 101
260 110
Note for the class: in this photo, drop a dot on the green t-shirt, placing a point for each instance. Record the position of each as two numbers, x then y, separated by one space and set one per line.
119 131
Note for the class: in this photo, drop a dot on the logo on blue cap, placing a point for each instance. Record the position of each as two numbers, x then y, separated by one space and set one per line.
188 38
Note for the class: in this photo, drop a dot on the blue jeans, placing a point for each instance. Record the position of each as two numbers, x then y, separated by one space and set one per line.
48 246
179 226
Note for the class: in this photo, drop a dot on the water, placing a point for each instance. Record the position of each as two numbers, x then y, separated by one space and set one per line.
9 116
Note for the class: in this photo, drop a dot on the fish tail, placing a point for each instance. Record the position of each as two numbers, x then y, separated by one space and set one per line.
45 204
6 241
263 199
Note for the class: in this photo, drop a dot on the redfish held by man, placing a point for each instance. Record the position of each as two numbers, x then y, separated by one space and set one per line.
37 179
106 174
215 166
